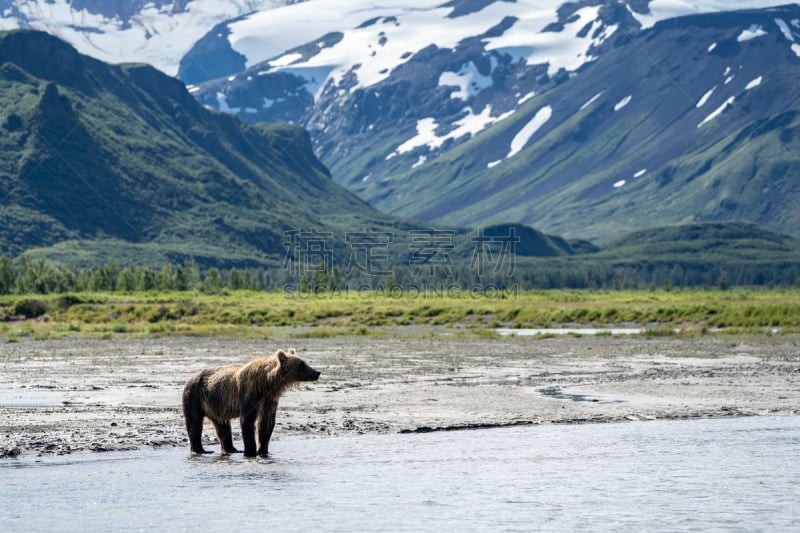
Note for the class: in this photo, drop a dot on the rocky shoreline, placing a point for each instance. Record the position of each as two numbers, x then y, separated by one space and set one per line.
77 394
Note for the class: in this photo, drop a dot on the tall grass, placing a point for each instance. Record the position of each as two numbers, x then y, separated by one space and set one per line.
253 313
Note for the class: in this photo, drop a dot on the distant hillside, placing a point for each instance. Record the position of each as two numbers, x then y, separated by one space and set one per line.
122 158
707 254
532 243
711 253
743 241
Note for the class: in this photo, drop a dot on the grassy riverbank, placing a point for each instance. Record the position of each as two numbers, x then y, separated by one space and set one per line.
260 314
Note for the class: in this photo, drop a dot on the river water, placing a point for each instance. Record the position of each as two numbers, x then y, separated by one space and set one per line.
739 474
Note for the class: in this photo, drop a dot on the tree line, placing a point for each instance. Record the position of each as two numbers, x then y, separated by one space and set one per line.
27 275
36 276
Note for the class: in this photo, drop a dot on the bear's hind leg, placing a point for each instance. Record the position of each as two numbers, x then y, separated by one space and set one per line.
194 426
193 410
224 434
248 422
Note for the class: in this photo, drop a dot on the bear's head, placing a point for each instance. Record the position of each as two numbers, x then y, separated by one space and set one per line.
294 368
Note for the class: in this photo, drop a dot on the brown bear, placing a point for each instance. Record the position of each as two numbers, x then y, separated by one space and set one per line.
249 392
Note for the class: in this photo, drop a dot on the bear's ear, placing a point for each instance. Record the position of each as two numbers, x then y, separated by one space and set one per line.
291 351
281 356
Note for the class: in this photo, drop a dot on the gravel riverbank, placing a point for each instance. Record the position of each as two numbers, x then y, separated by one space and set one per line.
77 394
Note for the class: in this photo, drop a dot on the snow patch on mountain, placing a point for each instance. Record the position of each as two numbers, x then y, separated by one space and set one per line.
159 35
286 60
524 135
591 100
426 128
468 80
426 135
754 83
705 97
718 111
622 103
529 130
785 30
667 9
526 98
378 38
753 32
222 102
567 49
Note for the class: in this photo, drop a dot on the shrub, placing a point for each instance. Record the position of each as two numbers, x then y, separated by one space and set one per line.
30 308
66 301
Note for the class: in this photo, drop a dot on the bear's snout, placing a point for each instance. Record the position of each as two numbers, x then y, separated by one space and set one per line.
306 373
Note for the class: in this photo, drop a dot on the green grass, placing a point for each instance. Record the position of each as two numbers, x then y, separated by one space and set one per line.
261 315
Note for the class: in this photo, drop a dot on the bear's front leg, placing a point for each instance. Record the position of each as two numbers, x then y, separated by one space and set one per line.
248 422
265 426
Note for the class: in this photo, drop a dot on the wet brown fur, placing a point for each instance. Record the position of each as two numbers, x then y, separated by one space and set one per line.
249 392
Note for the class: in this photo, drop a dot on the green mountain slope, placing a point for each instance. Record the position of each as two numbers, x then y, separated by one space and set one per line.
123 158
683 122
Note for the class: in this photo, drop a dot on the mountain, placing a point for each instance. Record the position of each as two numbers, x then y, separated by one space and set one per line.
707 132
585 119
510 111
99 160
158 32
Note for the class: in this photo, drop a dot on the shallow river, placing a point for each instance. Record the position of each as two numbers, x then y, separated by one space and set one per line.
700 475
